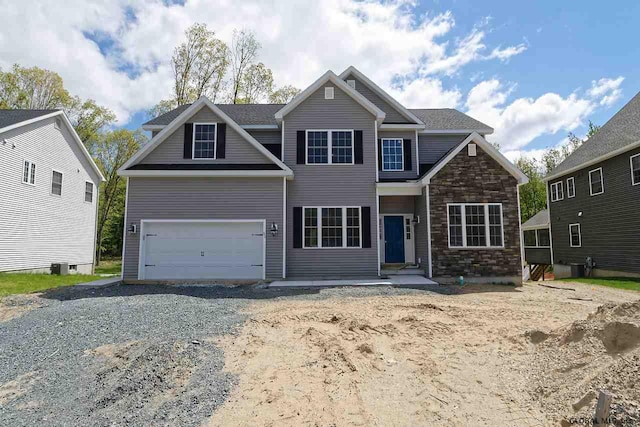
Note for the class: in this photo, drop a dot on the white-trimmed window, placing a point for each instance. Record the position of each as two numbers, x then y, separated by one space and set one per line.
88 192
330 147
596 182
56 183
571 187
392 154
475 225
333 227
29 173
539 238
204 140
575 238
635 169
407 228
557 191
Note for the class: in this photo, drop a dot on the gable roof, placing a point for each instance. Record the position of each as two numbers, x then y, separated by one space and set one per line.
449 119
182 118
13 119
330 76
621 133
243 114
539 220
381 93
488 148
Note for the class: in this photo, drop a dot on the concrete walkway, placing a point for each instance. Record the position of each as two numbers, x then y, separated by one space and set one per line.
391 281
99 283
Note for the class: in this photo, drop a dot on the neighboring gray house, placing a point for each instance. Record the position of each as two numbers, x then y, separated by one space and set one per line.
48 195
536 239
340 182
594 199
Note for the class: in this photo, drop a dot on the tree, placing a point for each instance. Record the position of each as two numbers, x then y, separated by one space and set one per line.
88 119
244 50
110 152
533 196
284 95
257 84
32 88
554 156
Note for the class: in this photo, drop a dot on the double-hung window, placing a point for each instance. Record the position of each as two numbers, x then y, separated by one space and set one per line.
475 225
539 238
635 169
332 227
557 191
596 182
330 147
571 187
204 140
575 237
29 173
56 183
392 154
88 192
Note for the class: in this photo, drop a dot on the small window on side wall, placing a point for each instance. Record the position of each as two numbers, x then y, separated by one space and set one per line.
575 238
204 140
557 191
635 169
88 192
29 173
56 183
571 187
596 182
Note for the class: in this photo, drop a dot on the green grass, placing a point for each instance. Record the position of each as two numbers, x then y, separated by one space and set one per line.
612 282
23 283
111 266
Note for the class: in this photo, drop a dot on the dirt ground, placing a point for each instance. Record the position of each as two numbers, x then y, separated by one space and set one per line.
490 355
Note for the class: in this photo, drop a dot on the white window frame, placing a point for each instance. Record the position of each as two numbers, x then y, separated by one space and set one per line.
61 181
92 191
329 147
215 142
631 166
579 236
382 154
31 165
487 226
571 195
601 181
319 225
559 195
536 230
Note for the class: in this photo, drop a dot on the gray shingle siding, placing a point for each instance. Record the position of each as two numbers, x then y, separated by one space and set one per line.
609 223
392 115
408 174
205 198
331 185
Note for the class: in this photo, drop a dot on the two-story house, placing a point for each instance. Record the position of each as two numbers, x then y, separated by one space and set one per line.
335 184
594 197
48 193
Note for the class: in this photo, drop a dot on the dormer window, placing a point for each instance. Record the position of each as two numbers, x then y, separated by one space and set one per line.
204 140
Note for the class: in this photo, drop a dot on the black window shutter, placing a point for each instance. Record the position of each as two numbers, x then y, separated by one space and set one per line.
407 154
300 152
188 140
379 154
366 227
297 227
221 140
357 147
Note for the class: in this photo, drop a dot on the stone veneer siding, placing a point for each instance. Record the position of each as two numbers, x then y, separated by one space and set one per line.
477 179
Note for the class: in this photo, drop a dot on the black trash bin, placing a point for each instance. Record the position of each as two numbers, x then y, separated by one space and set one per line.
577 270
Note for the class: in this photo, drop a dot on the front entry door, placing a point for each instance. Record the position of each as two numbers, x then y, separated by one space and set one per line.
393 239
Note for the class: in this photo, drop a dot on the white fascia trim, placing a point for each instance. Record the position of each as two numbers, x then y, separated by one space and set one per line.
182 118
489 149
153 127
326 77
379 91
482 131
399 188
390 126
593 161
535 227
204 173
28 122
260 127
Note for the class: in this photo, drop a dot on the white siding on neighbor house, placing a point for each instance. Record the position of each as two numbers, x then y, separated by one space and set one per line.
36 227
237 148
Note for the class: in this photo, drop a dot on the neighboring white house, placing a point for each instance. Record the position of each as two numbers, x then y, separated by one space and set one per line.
48 193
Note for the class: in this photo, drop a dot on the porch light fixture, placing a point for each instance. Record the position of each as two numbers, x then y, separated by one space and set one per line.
416 219
132 229
274 229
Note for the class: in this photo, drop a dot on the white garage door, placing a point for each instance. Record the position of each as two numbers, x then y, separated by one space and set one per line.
202 250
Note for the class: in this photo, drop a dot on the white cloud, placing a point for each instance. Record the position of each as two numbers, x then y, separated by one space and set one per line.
300 40
607 89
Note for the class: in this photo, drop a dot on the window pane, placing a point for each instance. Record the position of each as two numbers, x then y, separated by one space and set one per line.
331 227
596 181
32 178
495 225
88 192
25 173
341 147
575 235
317 147
392 157
204 141
455 225
311 227
476 231
635 166
56 183
571 187
543 238
353 227
530 238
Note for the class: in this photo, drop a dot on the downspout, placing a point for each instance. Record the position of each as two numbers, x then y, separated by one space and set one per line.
95 230
546 189
124 228
375 129
520 233
430 265
284 227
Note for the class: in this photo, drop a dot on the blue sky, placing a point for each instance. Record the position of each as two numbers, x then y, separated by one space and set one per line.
532 70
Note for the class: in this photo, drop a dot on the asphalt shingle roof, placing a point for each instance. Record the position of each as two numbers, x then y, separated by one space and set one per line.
11 117
621 130
539 220
448 119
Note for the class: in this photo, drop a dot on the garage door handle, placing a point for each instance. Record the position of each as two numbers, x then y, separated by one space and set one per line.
256 265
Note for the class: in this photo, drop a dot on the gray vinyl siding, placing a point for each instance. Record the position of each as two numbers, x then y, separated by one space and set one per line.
420 231
610 222
205 198
432 147
397 204
392 115
331 185
408 174
36 227
238 149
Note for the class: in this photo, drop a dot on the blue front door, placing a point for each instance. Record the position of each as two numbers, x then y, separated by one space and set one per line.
393 239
